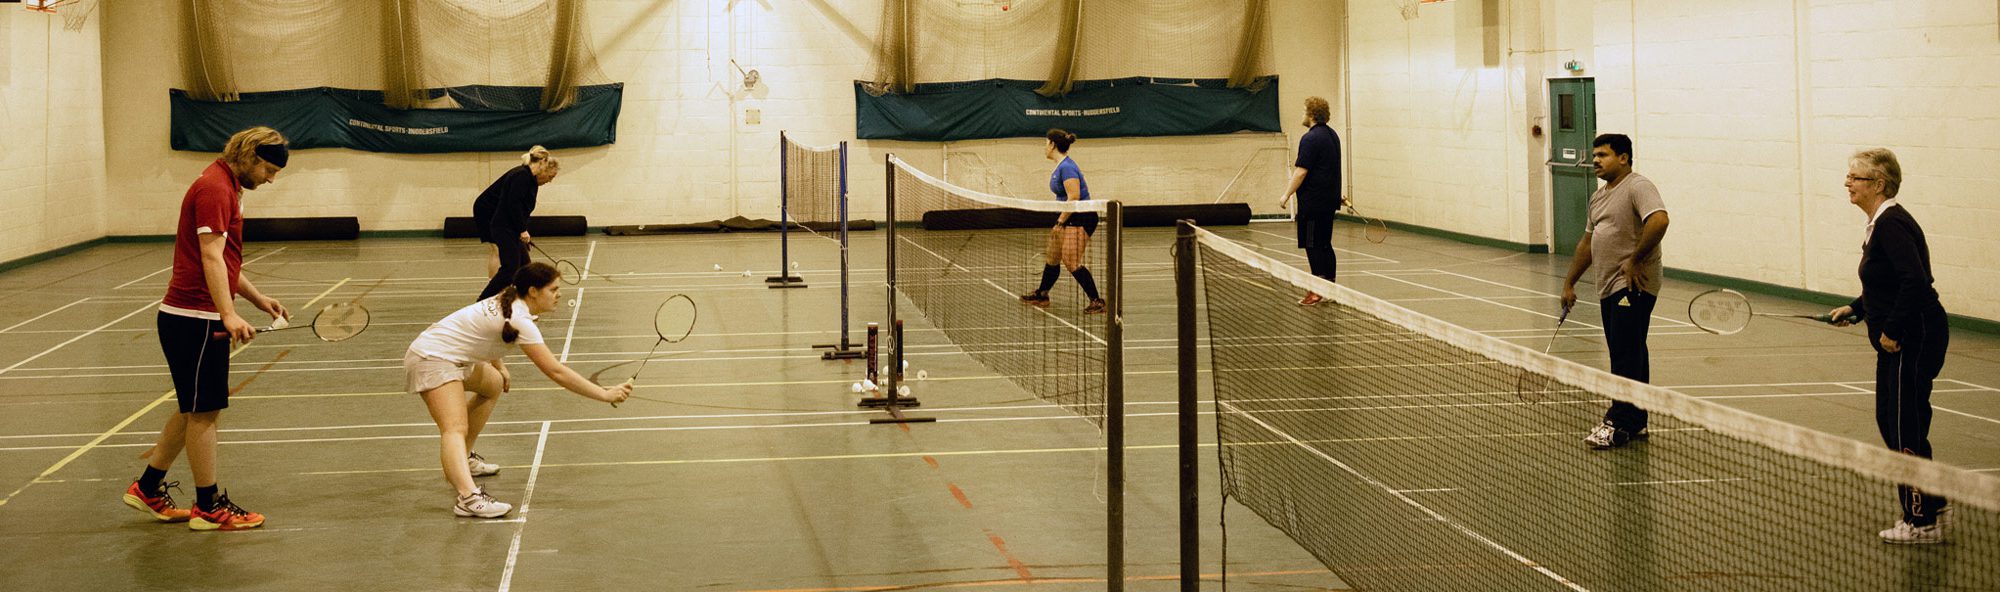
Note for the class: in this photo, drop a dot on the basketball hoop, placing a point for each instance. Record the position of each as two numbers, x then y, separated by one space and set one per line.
45 6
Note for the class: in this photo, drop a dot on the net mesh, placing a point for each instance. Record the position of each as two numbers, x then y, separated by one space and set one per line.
814 180
964 258
1409 454
401 47
1041 40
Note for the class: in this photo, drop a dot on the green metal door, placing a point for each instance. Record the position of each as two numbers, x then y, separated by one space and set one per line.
1573 119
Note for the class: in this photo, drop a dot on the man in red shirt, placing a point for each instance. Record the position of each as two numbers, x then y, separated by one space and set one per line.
198 323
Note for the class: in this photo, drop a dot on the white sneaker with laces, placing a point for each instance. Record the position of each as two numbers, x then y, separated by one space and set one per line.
1603 436
479 467
1904 533
479 505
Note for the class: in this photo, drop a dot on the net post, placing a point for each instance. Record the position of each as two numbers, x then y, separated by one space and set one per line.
1189 416
843 350
784 279
1114 396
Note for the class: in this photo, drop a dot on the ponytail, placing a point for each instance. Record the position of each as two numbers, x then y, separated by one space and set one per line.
532 275
507 331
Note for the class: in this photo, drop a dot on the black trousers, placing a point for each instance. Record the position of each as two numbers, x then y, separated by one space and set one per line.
1903 401
1316 237
1627 316
513 255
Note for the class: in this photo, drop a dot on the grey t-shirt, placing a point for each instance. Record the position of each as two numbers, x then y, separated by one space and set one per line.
1617 213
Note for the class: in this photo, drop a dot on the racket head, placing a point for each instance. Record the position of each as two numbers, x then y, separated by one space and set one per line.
340 321
1720 311
1376 231
1372 229
569 272
674 320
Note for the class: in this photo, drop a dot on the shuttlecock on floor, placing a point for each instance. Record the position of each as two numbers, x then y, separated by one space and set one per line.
856 387
746 273
903 390
718 267
923 374
795 266
867 385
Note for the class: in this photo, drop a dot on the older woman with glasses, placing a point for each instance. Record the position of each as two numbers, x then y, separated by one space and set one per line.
1906 326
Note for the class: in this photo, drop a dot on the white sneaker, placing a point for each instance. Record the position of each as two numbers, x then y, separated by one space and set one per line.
479 505
1903 533
479 467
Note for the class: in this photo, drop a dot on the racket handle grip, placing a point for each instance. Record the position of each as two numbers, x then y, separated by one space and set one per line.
225 334
1851 318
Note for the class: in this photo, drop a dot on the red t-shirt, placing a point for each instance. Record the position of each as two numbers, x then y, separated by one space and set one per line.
213 204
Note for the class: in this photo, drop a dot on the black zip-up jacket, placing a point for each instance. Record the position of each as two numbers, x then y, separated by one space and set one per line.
503 208
1896 275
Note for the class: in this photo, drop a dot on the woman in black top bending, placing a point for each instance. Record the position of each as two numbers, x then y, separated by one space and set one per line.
1906 326
501 215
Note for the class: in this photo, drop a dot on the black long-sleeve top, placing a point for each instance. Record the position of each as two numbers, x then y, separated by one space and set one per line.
1895 275
503 208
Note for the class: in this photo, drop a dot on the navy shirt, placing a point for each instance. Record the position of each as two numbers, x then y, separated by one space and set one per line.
1067 170
1319 155
502 209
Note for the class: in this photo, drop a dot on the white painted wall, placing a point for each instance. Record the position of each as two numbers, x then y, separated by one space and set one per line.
1743 111
684 150
51 134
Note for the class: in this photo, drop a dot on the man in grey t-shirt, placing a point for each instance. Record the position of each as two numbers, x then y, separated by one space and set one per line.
1627 221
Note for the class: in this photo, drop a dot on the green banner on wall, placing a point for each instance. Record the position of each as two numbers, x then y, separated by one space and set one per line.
487 119
1000 108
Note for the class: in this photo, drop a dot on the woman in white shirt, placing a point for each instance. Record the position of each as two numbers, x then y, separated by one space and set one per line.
461 354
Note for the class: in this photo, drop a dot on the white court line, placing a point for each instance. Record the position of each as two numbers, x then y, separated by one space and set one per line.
43 315
1485 300
528 495
1377 258
1476 279
170 268
1934 404
1434 514
1003 292
79 451
53 348
576 306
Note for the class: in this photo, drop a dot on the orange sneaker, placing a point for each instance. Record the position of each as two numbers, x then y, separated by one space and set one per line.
226 516
160 505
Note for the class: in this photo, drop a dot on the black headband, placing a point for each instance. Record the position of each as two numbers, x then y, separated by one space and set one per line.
275 154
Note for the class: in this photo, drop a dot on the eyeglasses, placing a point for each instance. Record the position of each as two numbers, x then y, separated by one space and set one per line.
1852 178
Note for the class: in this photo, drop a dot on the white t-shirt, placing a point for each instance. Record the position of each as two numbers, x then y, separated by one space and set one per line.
472 335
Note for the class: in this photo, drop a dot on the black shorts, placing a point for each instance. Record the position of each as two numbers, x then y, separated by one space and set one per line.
197 360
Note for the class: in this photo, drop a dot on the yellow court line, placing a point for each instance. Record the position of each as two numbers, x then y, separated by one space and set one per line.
73 455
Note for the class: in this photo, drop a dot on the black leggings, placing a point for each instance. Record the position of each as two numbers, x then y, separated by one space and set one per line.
513 255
